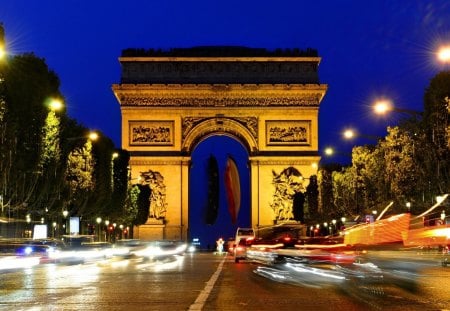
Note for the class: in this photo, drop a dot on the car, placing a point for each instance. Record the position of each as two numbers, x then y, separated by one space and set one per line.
240 250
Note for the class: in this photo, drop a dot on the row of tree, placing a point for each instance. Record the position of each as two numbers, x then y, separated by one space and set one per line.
47 162
410 165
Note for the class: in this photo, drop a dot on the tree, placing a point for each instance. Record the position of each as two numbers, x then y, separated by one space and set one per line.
28 82
401 169
436 119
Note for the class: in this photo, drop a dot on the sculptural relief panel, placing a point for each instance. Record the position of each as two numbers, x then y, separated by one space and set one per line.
288 132
151 133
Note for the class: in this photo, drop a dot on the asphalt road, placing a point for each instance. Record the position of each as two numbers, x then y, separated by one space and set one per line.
204 281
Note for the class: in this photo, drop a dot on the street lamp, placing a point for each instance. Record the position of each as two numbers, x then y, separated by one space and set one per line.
106 231
443 54
99 221
384 106
351 134
93 135
408 206
2 42
329 151
65 214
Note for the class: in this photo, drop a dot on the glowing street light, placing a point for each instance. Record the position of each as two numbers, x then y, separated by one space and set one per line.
55 104
384 106
351 134
99 221
348 134
329 151
93 136
443 54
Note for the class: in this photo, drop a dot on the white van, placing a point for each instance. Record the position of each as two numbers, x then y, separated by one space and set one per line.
244 233
244 238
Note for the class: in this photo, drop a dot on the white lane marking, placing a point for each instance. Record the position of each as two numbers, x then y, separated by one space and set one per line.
201 299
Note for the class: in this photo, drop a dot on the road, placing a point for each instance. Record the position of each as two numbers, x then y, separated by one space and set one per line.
203 281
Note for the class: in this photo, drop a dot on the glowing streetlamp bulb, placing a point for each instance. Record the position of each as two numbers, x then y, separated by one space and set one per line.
382 106
444 54
93 136
99 220
2 52
329 151
115 155
55 104
348 134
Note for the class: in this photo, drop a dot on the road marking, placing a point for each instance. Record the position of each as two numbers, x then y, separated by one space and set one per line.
201 299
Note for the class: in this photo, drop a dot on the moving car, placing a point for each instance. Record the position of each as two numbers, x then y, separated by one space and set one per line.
240 249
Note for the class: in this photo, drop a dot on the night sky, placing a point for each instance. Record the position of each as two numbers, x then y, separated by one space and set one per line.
369 49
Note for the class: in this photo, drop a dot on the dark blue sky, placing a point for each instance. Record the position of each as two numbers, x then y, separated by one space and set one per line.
368 48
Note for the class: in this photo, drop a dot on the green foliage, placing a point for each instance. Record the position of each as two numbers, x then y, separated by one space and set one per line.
436 122
51 150
411 164
27 83
46 163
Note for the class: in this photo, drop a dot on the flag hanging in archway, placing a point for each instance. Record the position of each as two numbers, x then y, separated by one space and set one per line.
233 188
212 209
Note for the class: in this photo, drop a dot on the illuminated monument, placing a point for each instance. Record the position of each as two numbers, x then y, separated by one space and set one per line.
173 100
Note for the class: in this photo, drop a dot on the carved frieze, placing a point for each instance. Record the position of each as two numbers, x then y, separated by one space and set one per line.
138 100
293 132
151 133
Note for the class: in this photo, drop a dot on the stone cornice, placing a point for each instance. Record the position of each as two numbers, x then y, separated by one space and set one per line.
219 95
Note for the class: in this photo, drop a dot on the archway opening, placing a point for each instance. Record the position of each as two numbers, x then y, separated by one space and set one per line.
202 226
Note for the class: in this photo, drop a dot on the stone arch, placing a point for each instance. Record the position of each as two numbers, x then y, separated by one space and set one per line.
268 101
219 126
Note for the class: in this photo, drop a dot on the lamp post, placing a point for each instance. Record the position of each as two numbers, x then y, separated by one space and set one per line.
114 232
350 134
443 54
99 221
65 214
106 231
384 106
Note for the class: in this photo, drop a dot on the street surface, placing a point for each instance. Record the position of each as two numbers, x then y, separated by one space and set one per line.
204 281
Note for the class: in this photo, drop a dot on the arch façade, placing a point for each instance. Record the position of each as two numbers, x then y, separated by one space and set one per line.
269 103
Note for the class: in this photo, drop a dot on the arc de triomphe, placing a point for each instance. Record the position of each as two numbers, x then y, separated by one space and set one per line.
172 100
